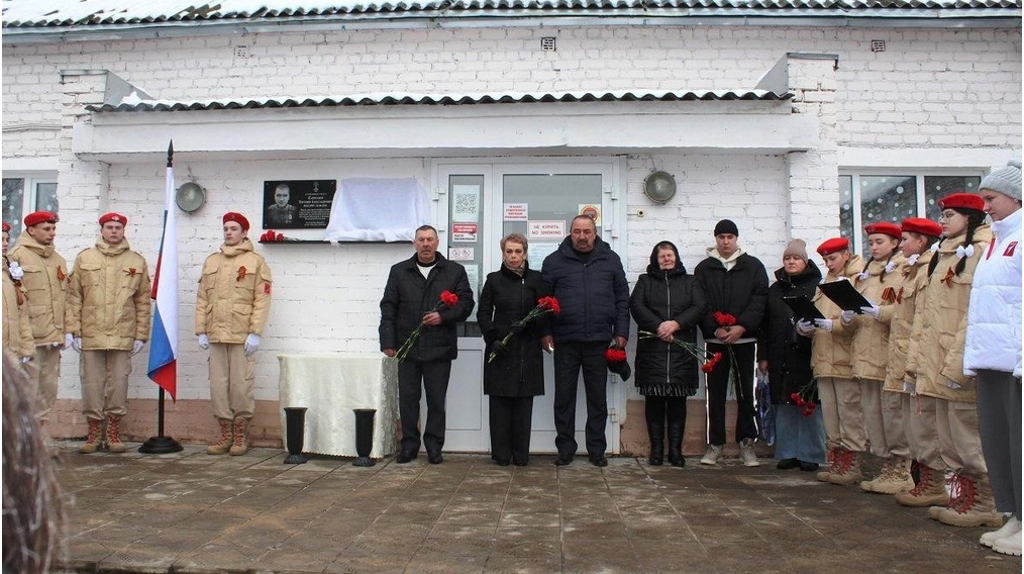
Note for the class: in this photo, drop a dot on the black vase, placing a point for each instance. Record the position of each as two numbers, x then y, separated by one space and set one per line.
295 423
364 436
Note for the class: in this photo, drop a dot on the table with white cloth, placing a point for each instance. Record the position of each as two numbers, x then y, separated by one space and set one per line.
330 386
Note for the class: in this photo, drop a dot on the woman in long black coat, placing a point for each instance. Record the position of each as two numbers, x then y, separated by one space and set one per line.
786 356
516 375
668 302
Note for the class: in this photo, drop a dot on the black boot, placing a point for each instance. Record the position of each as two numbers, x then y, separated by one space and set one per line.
656 433
675 444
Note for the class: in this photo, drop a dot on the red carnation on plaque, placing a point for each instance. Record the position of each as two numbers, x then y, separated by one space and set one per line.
271 236
544 305
448 299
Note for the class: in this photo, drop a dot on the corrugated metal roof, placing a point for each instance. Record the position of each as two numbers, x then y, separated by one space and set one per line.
71 13
137 105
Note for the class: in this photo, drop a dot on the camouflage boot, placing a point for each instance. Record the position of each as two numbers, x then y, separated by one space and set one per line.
92 440
241 444
224 442
114 435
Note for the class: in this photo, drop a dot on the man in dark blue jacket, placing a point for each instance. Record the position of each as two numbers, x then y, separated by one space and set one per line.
413 291
588 280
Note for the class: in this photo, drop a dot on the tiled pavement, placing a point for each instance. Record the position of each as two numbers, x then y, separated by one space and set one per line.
190 512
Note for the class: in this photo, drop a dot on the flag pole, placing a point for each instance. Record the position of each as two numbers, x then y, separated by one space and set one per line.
163 367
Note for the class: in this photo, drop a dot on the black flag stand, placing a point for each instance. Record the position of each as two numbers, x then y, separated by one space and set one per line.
161 444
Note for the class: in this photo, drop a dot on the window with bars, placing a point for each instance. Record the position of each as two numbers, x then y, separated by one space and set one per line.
869 198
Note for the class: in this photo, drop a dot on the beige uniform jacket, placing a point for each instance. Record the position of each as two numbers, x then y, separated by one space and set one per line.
830 352
234 294
900 316
871 337
109 304
45 283
17 329
936 354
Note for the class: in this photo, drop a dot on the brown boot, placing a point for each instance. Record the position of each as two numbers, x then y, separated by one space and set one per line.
114 435
976 505
955 496
833 463
224 442
241 444
848 470
895 477
929 489
92 441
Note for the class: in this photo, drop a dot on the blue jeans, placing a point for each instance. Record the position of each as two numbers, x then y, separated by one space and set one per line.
797 436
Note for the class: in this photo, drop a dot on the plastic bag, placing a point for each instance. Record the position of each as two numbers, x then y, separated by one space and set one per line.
765 408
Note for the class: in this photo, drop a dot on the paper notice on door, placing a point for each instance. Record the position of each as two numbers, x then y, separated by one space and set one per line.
546 230
593 210
466 203
538 251
464 232
517 211
460 253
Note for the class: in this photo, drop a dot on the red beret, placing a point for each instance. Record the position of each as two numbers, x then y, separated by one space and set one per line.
922 226
237 218
37 217
962 201
884 227
833 245
115 217
7 227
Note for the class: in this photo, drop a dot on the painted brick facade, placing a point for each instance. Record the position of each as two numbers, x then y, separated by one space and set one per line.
931 88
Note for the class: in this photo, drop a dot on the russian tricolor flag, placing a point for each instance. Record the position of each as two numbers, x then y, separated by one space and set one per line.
163 350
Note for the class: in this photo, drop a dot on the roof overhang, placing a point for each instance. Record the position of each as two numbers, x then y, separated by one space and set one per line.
358 131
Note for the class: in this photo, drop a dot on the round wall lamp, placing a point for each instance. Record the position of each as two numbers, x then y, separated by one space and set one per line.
660 186
190 197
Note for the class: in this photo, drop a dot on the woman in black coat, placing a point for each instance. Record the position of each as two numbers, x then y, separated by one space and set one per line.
668 302
517 373
786 356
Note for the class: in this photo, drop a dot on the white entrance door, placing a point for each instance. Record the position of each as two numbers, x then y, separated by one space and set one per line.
479 203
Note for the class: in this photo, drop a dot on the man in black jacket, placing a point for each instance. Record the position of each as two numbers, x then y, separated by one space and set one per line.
736 287
587 279
411 297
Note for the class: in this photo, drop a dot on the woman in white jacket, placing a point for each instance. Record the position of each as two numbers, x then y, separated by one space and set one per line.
993 351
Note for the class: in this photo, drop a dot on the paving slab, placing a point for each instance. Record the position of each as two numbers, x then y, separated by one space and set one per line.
189 512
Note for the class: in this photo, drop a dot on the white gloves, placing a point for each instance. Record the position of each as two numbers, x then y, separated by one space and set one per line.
69 340
805 328
847 316
137 346
825 324
204 341
252 343
26 360
873 310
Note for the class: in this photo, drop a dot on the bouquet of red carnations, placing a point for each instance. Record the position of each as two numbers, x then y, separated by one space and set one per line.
544 305
448 299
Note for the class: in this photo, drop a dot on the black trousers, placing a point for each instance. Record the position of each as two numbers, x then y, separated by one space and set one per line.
510 428
434 376
569 359
718 389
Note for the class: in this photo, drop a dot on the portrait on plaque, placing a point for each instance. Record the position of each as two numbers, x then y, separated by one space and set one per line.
298 204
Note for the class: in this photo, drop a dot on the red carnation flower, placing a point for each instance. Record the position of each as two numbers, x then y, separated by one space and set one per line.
448 298
614 355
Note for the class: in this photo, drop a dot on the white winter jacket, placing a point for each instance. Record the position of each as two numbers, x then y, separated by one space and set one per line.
994 316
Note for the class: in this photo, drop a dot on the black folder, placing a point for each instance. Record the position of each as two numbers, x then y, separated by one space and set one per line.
803 308
844 294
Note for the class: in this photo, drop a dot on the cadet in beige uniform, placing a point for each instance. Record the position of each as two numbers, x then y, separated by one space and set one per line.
832 364
231 309
108 313
45 282
935 369
871 338
17 329
918 235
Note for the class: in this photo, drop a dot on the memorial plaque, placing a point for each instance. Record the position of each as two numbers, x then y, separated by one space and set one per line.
298 204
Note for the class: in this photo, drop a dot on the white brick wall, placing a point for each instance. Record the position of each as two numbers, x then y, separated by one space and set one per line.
931 88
